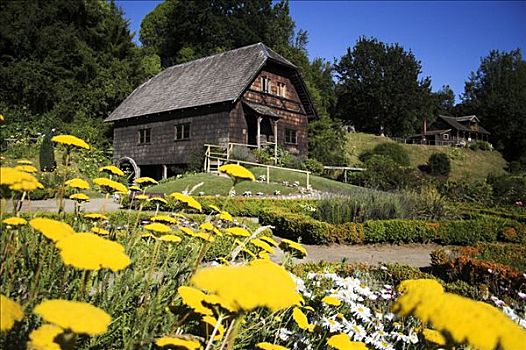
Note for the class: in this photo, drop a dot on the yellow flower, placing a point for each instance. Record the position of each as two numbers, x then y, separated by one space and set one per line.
96 216
52 229
141 197
269 240
17 180
343 342
10 312
204 236
110 185
14 221
2 118
111 169
301 320
238 231
159 200
237 172
43 338
79 317
164 218
100 231
26 168
70 140
186 199
262 245
467 321
330 300
207 226
134 188
433 336
246 287
212 322
294 248
145 181
178 343
79 197
77 183
263 255
270 346
225 216
88 251
214 207
158 227
24 162
193 298
170 238
187 231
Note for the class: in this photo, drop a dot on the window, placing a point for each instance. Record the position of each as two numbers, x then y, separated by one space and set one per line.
445 136
291 136
182 132
144 136
265 85
282 89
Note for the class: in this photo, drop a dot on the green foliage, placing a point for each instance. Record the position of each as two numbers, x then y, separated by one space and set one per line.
390 150
508 189
496 93
386 175
326 141
439 164
380 89
467 190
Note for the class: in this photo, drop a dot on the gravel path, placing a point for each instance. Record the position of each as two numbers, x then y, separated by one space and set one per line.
417 255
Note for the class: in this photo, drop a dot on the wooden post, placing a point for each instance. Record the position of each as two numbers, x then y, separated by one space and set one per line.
308 182
268 175
258 135
275 125
165 171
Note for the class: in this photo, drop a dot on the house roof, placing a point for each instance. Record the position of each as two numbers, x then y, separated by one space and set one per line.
260 109
468 117
213 79
433 132
454 122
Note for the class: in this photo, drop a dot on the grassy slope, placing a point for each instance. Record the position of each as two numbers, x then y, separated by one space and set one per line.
465 162
214 184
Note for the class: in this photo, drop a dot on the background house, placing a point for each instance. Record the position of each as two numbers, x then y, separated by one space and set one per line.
452 131
250 95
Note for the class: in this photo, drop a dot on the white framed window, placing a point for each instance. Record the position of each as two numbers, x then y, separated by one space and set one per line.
282 89
445 136
291 136
266 85
182 132
145 136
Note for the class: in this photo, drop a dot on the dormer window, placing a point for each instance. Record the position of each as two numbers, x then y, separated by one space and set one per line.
265 85
282 89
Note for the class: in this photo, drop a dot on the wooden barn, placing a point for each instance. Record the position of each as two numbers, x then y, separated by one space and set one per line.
250 96
452 131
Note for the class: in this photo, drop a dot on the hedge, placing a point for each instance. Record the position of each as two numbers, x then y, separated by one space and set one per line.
460 232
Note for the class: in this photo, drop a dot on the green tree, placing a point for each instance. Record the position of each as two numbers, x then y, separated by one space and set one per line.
445 101
496 93
327 141
439 164
47 154
379 89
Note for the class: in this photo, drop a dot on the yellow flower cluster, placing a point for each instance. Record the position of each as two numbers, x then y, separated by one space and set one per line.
262 245
330 300
466 321
43 338
186 199
52 229
78 184
296 249
164 218
301 320
246 287
88 251
79 317
26 168
70 140
178 343
158 200
111 169
434 336
14 221
79 197
270 346
238 231
24 162
145 181
343 342
95 216
237 172
17 180
10 312
158 227
110 185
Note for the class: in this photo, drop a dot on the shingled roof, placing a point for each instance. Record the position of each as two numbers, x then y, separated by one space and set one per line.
213 79
454 122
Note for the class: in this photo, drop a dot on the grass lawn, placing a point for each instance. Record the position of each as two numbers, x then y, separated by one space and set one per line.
464 162
214 184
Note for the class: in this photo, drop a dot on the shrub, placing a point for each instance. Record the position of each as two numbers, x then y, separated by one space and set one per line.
508 189
466 190
484 146
391 150
439 164
47 154
314 166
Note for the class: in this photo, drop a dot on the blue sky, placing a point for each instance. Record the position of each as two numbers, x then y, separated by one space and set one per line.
448 37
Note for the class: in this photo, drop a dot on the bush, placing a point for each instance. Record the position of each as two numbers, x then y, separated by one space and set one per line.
439 164
508 189
391 150
484 146
466 190
47 154
313 166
